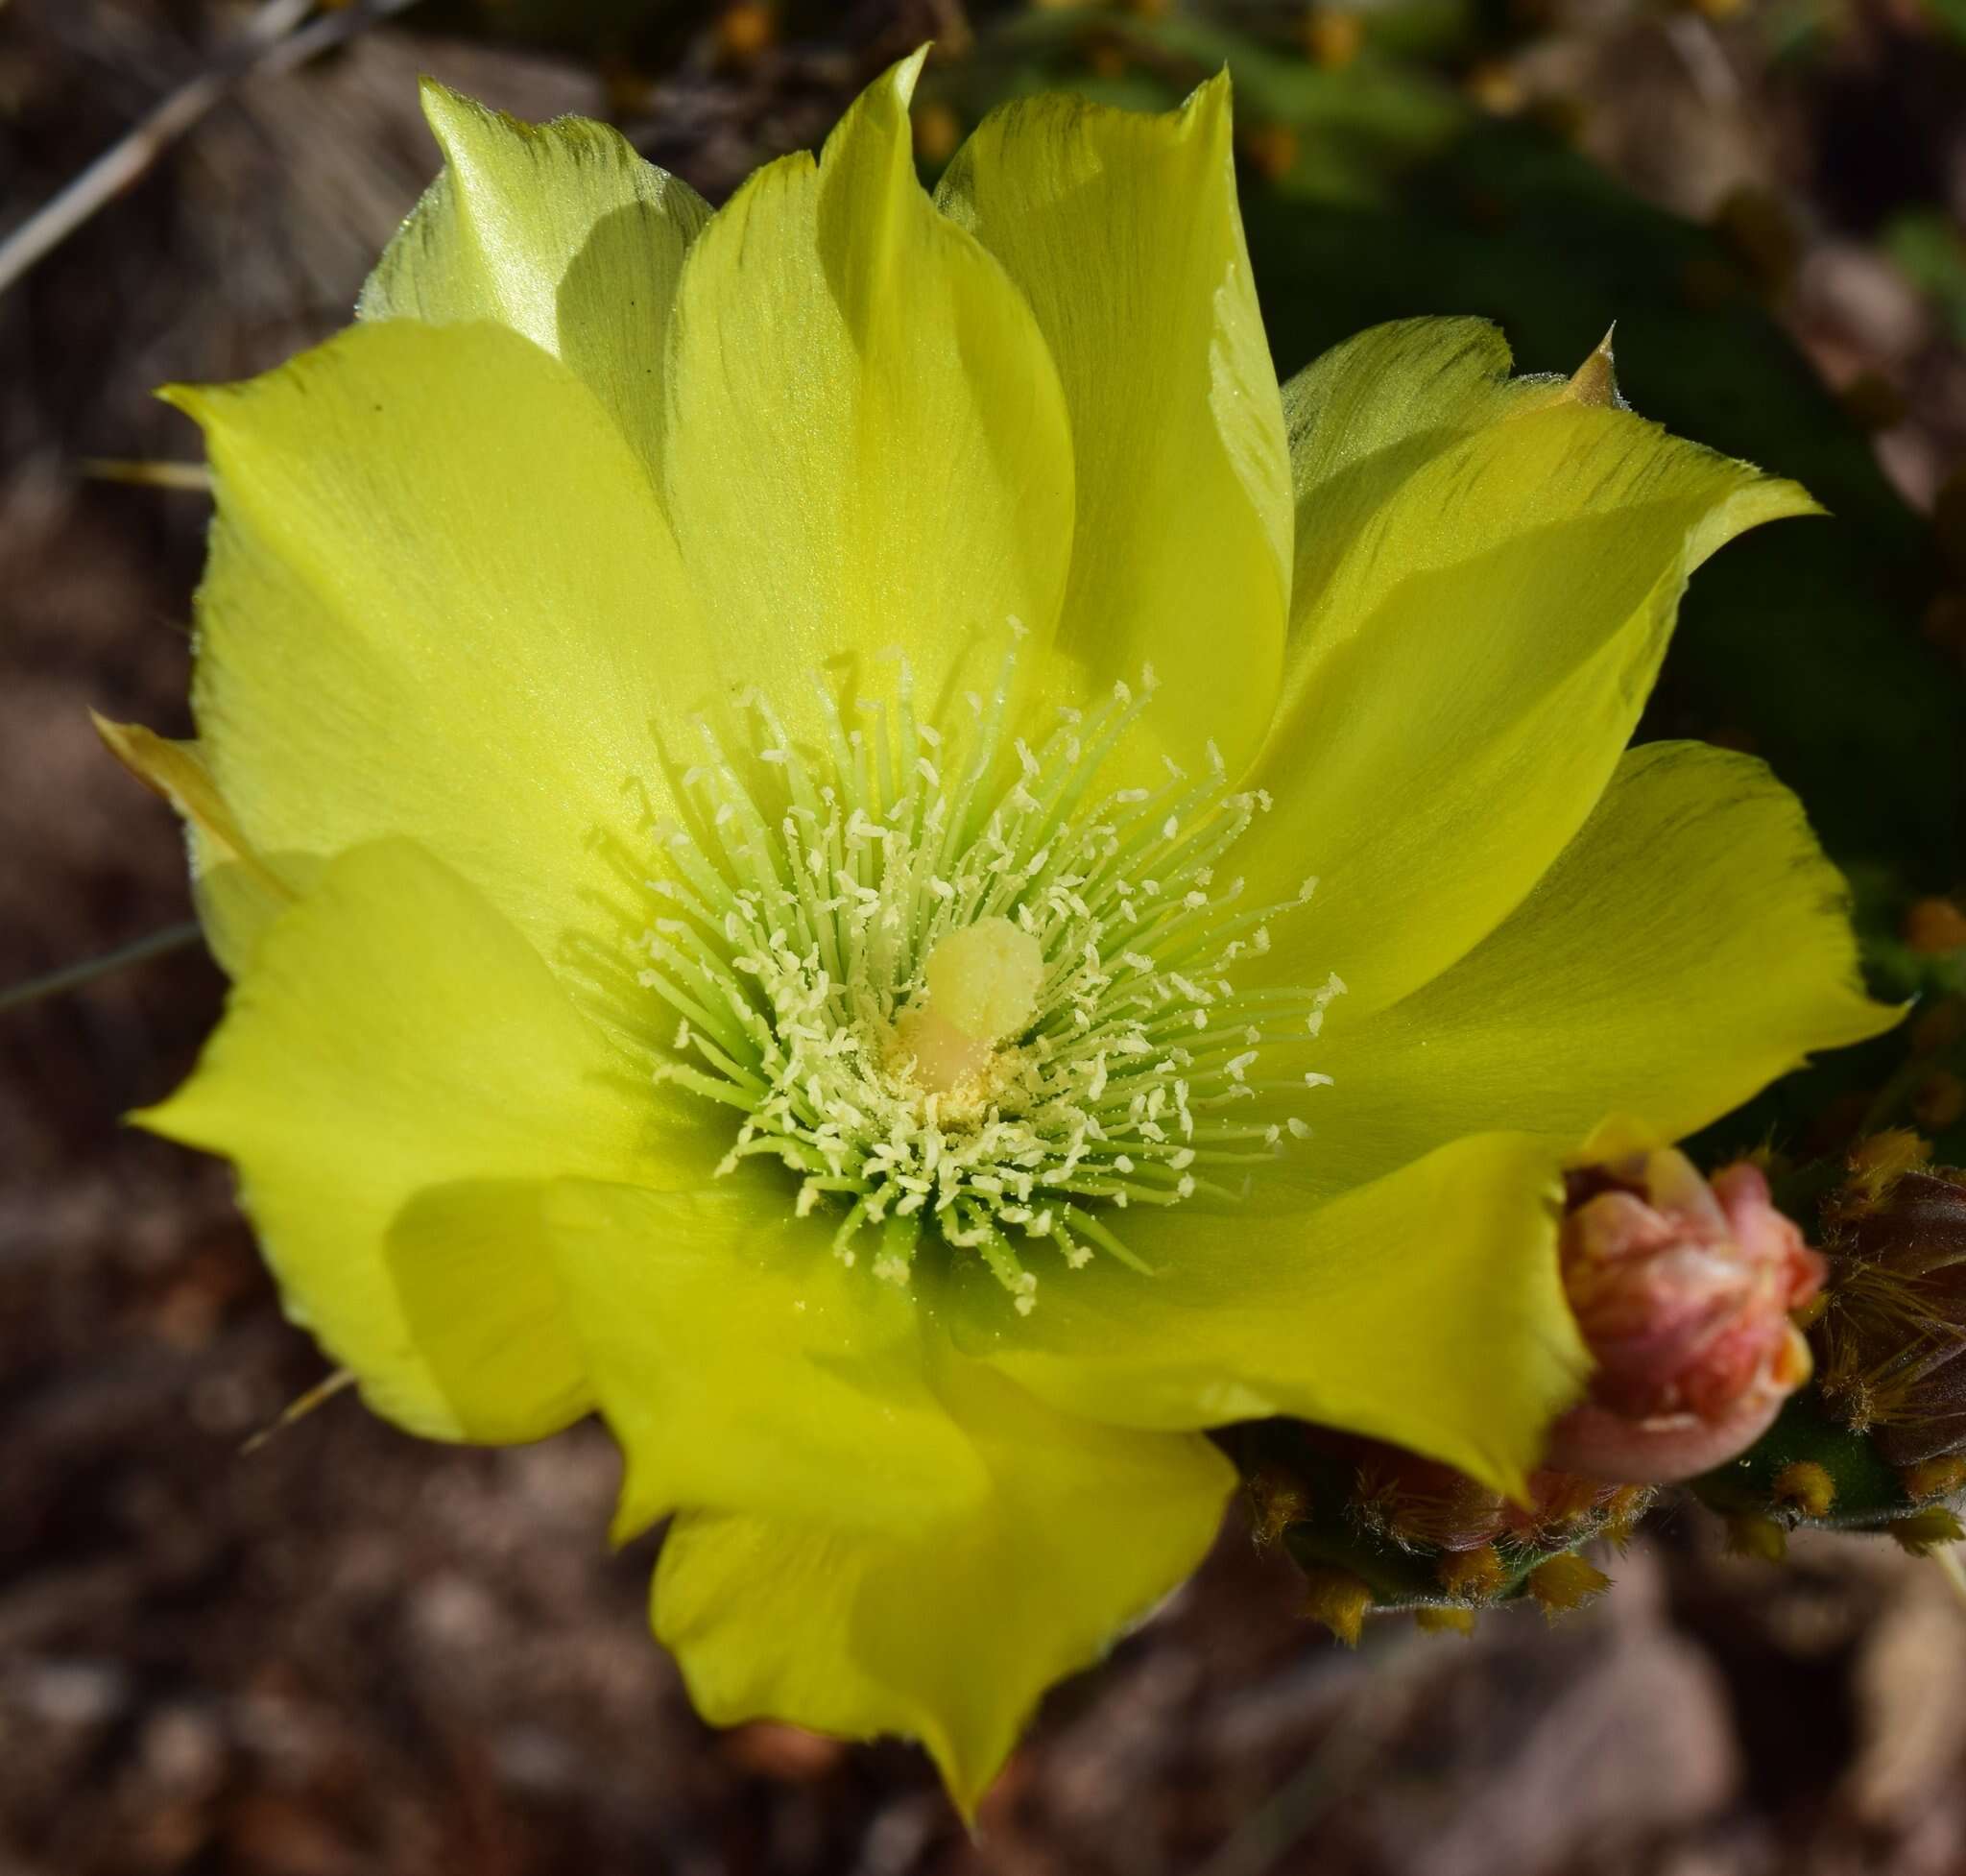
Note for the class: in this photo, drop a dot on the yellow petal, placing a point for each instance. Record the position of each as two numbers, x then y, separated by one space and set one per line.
393 1034
1689 945
1470 669
1424 1308
474 1275
867 444
1361 418
1123 232
238 892
557 230
743 1366
441 603
949 1640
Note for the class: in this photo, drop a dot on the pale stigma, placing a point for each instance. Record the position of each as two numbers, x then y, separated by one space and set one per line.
982 987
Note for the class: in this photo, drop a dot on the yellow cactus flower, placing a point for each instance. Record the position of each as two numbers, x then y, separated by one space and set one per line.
843 837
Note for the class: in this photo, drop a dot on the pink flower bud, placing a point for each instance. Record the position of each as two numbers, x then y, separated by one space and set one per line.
1683 1292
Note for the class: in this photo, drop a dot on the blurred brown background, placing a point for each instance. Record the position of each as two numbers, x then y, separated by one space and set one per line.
348 1654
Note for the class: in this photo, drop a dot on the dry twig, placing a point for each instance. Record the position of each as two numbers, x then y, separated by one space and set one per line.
72 976
270 43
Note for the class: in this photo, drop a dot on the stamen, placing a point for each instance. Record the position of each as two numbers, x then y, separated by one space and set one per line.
965 998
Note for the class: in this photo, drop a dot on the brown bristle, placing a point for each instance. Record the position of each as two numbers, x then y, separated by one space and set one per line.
1562 1584
1628 1504
1938 1478
1476 1574
1877 1161
1276 1501
1339 1601
1807 1486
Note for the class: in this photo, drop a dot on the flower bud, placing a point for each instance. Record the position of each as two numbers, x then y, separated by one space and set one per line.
1683 1290
1895 1331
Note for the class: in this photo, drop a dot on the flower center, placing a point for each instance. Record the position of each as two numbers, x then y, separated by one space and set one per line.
967 997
